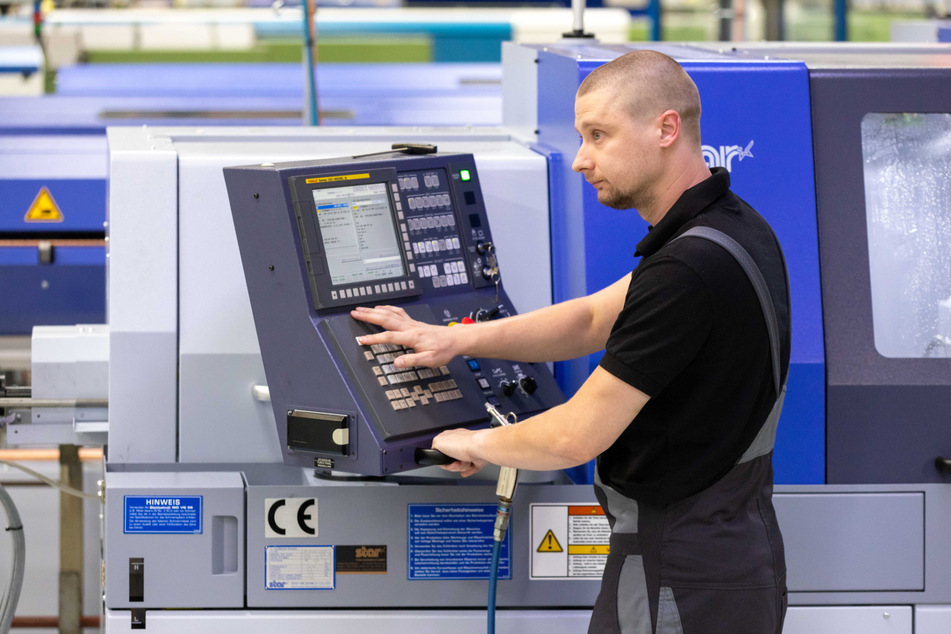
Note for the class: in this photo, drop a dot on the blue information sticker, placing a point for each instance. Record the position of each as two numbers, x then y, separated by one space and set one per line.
454 541
163 514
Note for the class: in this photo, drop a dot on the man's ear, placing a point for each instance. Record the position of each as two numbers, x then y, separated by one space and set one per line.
669 128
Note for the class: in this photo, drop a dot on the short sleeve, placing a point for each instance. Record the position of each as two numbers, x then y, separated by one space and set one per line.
664 323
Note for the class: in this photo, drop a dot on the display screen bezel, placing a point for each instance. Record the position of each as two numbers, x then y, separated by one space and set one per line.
327 294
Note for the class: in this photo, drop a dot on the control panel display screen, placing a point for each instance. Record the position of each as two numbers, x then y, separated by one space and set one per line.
358 232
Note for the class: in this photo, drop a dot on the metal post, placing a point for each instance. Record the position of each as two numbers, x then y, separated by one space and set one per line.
775 28
655 11
841 20
577 16
70 543
725 19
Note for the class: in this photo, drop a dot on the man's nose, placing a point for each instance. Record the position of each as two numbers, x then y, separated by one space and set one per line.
581 162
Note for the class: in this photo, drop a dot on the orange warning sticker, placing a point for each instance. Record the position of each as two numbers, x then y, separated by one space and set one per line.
586 510
568 541
44 208
550 544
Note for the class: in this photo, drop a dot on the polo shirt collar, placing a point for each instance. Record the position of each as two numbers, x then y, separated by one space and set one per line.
687 207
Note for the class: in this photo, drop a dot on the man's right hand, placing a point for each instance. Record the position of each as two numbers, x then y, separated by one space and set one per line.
433 346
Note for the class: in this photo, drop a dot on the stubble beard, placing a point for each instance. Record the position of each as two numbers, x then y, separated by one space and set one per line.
637 199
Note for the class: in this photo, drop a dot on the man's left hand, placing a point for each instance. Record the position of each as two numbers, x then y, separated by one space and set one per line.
457 443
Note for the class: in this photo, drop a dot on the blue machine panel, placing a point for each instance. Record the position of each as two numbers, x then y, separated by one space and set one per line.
162 514
454 541
78 205
68 286
72 290
276 80
756 123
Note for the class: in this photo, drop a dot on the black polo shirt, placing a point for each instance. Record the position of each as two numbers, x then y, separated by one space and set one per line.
692 336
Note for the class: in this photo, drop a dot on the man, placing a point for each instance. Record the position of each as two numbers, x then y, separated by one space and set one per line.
675 410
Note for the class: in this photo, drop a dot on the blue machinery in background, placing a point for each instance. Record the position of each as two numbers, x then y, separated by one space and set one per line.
52 240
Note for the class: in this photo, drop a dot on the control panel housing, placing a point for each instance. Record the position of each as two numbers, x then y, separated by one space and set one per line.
320 238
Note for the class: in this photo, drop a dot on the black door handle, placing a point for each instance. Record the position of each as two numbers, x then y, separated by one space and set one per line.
942 464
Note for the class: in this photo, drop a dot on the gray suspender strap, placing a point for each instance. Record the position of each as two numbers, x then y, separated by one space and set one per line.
759 285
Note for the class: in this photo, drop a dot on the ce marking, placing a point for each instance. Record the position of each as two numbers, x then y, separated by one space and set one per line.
290 517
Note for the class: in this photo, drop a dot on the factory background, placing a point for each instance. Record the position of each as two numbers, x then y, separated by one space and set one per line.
468 76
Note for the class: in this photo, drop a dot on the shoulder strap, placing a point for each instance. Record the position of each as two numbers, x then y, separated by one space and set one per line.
759 285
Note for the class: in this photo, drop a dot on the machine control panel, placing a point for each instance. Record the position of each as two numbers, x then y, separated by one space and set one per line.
320 238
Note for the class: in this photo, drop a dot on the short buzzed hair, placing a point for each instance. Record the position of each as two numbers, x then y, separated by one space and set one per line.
649 83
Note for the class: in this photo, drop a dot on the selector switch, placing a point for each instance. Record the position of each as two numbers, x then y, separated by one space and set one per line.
136 579
508 387
528 385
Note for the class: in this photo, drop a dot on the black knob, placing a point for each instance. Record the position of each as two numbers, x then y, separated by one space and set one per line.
528 385
486 314
943 465
508 387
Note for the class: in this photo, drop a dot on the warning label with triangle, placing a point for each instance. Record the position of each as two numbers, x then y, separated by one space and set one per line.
44 208
549 544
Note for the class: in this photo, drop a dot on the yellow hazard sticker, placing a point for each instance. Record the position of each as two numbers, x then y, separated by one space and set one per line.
597 549
550 544
44 208
334 179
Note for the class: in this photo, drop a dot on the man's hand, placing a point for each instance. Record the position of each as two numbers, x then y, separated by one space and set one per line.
458 443
432 345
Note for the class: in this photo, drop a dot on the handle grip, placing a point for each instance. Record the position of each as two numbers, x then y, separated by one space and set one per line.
431 457
942 464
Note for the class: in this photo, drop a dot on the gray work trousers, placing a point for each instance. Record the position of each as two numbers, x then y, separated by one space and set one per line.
709 564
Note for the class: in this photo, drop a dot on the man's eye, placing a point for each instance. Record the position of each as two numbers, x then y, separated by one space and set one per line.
596 135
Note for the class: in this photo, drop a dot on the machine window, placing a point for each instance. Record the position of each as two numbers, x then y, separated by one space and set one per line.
358 233
907 164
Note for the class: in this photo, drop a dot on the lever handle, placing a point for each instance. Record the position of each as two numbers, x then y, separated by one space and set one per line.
942 464
431 457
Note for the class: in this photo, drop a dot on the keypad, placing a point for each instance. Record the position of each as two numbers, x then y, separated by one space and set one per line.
407 388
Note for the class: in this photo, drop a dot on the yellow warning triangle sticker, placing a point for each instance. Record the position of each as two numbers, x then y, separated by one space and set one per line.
44 209
549 544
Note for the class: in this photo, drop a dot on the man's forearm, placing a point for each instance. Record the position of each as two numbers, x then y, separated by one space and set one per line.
564 331
564 436
555 333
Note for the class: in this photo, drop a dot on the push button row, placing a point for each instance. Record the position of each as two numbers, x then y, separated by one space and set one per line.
404 398
375 289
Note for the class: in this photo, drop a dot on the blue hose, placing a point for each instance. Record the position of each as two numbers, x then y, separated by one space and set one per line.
493 582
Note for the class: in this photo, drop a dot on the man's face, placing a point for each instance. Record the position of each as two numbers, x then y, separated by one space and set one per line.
616 155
